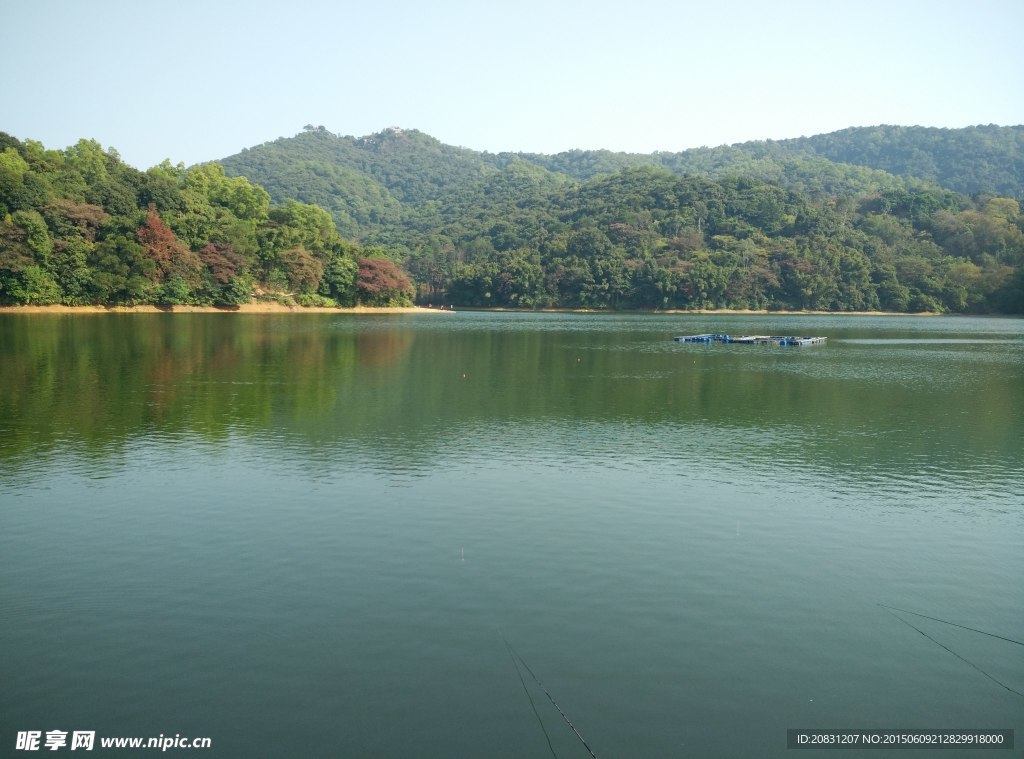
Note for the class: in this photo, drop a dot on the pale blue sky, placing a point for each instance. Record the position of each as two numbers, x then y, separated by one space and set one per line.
197 80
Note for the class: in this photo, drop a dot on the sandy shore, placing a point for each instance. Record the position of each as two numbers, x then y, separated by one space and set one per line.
277 308
248 308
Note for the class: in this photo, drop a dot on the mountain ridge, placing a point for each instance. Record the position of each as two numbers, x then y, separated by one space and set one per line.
933 154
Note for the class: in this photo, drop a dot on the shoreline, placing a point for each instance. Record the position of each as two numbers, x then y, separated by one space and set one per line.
709 311
245 308
278 308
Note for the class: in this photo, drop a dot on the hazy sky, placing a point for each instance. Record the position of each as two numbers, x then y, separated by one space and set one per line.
199 80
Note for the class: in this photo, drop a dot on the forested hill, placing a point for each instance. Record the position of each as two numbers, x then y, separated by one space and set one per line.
771 224
79 226
364 182
322 218
971 160
414 167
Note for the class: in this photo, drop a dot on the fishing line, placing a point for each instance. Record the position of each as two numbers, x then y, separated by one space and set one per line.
954 624
515 654
528 696
958 656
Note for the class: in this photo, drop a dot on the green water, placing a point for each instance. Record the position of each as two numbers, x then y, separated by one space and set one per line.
305 535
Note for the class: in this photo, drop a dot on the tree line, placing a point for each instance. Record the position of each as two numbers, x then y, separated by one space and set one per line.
644 238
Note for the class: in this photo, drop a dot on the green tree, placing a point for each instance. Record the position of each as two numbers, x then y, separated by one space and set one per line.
14 195
339 280
37 237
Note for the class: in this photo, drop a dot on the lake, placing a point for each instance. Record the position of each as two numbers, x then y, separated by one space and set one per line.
397 536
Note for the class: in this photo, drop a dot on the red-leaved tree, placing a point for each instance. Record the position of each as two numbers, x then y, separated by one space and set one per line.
222 261
381 282
171 255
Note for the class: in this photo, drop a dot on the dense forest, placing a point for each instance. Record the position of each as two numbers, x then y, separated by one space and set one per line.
778 225
891 218
79 226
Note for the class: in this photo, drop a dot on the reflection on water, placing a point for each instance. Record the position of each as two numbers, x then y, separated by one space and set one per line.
417 388
286 522
927 341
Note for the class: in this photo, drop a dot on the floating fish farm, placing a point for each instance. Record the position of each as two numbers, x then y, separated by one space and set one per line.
752 339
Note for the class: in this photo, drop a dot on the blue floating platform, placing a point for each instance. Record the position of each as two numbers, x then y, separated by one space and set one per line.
752 339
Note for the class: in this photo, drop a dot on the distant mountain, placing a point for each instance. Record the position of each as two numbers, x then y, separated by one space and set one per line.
364 181
971 160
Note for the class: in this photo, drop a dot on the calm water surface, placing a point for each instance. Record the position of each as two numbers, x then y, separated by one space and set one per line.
305 535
